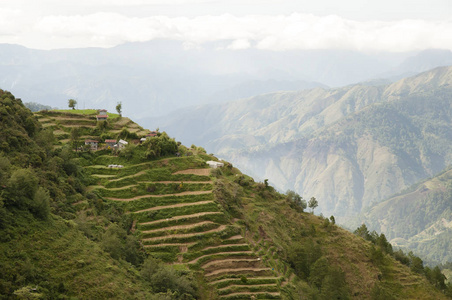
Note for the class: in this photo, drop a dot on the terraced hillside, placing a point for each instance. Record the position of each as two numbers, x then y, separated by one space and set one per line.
62 123
237 238
179 221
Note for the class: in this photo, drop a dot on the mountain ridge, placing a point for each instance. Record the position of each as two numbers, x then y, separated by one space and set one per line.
350 126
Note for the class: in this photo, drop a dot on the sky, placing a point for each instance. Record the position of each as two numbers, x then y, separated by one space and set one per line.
361 25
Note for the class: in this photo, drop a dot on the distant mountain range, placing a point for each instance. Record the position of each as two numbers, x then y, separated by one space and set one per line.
155 78
351 147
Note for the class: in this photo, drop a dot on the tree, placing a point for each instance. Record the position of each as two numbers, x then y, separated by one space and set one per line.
313 203
416 264
40 206
72 103
333 220
297 199
75 135
363 232
119 108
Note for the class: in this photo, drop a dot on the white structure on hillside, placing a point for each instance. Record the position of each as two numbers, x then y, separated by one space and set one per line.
122 144
215 164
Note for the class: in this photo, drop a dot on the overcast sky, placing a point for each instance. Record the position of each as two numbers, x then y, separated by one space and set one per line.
363 25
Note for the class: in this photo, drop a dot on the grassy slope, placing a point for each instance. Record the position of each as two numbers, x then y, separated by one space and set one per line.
269 226
340 247
58 251
50 256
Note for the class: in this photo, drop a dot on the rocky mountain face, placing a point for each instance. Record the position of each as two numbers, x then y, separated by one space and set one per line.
350 147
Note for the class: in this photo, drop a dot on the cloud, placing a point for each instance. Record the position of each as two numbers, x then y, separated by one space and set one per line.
277 33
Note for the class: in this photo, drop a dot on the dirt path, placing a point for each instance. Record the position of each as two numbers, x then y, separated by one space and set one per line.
91 187
235 237
183 217
78 125
180 181
238 279
205 172
172 206
220 253
189 226
221 228
252 293
102 176
167 244
97 167
214 262
128 176
248 285
160 196
236 270
121 188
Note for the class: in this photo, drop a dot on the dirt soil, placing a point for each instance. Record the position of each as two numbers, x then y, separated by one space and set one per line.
205 172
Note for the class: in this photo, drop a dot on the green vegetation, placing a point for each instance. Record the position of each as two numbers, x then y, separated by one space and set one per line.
119 108
164 227
71 103
58 240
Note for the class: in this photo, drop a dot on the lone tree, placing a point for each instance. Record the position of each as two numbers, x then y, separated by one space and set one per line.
119 108
313 203
72 103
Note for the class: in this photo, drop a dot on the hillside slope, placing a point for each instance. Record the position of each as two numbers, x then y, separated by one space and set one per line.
419 219
153 221
44 251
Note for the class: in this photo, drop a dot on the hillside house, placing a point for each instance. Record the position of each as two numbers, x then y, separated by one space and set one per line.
110 143
215 164
92 143
122 144
101 117
102 112
151 134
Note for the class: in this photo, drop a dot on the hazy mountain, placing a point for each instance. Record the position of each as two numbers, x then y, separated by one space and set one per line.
34 107
421 62
158 77
255 87
349 147
418 219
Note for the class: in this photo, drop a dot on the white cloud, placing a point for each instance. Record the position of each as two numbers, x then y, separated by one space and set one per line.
280 32
239 44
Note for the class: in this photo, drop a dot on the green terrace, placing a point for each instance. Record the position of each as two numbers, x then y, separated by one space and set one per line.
175 212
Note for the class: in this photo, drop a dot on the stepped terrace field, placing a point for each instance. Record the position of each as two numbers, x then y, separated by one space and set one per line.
62 122
179 220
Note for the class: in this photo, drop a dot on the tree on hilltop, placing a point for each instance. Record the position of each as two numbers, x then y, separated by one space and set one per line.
72 103
119 108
